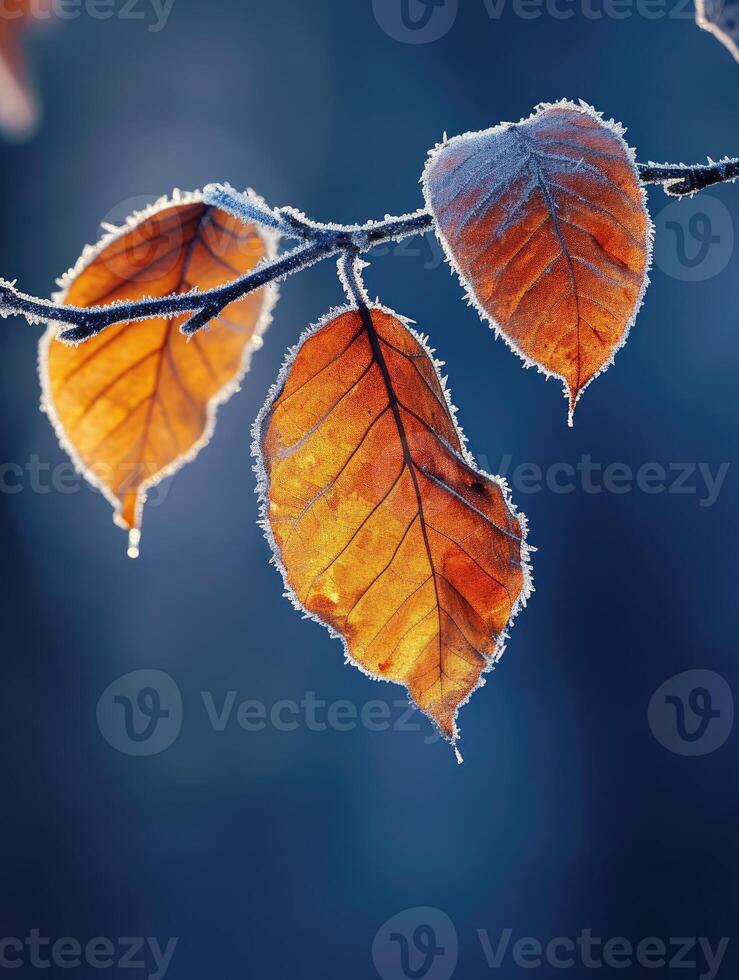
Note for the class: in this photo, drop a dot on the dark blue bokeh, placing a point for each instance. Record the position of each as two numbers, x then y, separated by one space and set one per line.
281 853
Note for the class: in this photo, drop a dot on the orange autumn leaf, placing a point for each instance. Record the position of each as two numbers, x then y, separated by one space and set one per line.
383 527
545 221
134 403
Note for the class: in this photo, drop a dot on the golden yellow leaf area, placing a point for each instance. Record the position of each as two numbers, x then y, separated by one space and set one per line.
384 528
546 223
135 402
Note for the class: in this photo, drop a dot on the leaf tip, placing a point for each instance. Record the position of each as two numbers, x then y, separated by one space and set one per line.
572 398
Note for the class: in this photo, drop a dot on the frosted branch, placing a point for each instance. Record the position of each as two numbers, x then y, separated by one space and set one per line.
318 242
678 179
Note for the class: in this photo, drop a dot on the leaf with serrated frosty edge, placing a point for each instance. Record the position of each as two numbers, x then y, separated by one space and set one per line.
383 527
134 403
545 222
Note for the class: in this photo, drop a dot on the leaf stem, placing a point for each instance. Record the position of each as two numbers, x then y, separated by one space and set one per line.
350 275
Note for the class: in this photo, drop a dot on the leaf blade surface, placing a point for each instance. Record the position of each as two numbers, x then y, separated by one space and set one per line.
545 222
384 529
134 403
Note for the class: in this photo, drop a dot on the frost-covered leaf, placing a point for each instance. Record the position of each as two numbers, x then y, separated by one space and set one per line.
721 18
546 223
134 403
383 527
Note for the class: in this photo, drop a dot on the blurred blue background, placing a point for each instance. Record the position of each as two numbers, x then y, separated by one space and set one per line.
280 853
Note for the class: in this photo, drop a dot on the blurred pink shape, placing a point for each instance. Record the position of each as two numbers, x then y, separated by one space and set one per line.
19 105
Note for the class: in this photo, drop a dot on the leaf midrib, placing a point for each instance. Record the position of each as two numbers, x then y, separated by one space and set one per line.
533 157
165 347
379 357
